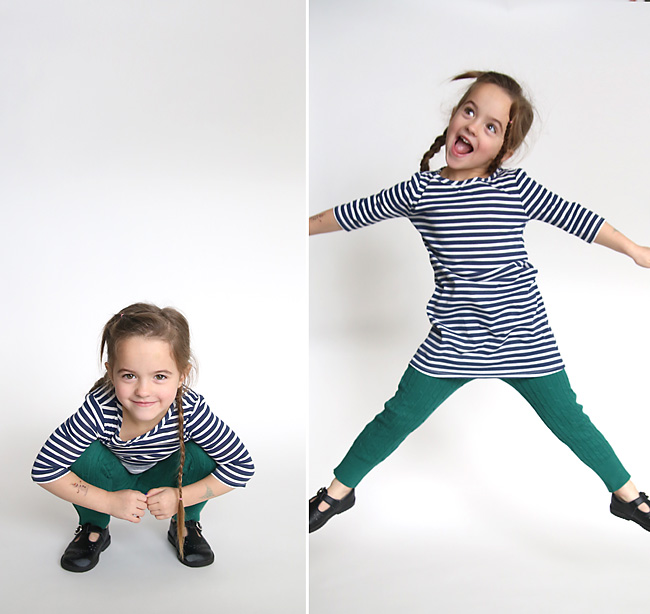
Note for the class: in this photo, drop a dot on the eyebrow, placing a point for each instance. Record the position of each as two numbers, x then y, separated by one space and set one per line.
155 372
492 119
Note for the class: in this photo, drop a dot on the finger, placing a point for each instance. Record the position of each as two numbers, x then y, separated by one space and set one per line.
154 491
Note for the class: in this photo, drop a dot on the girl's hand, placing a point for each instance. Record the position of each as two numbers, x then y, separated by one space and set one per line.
162 502
128 505
641 256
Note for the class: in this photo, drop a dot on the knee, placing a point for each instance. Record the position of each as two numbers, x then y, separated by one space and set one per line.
402 419
95 463
197 461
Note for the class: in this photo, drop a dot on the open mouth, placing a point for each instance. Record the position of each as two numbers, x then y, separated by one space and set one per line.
462 146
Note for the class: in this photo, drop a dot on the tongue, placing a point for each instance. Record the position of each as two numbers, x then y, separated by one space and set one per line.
463 147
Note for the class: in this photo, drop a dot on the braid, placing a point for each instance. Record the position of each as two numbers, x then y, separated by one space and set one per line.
433 150
494 165
180 515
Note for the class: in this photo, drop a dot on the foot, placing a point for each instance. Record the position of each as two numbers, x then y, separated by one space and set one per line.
336 490
318 517
196 550
82 553
632 510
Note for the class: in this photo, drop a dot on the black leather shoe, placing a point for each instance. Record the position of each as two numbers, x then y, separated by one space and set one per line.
82 554
196 551
631 511
336 506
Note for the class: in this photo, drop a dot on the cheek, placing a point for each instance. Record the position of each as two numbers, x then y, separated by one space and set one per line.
170 391
120 389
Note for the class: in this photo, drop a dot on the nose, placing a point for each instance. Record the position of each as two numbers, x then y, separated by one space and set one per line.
142 389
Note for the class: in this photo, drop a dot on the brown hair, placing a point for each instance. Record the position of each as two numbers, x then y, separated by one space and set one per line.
168 324
521 116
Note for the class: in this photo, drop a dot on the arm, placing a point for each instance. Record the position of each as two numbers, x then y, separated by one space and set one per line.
163 502
398 201
125 504
608 236
323 222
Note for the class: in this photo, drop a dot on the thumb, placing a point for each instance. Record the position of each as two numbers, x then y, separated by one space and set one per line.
154 491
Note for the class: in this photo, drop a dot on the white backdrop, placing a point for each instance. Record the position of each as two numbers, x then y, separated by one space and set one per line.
482 509
155 151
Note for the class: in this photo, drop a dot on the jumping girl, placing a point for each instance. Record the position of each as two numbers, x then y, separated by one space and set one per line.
142 440
487 315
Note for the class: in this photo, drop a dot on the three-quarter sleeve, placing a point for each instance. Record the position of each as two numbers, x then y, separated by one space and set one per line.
543 205
394 202
234 464
67 443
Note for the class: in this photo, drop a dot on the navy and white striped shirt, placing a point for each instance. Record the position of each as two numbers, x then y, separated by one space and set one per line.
100 419
487 314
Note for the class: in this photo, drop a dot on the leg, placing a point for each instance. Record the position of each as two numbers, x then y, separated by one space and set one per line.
100 467
418 395
97 466
197 466
555 402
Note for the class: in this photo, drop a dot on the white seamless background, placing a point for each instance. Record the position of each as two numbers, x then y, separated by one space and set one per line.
155 151
481 509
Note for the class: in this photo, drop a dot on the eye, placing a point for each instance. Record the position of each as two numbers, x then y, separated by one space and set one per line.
160 377
469 111
128 376
492 128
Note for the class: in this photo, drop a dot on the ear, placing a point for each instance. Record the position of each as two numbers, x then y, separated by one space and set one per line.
184 375
109 372
507 155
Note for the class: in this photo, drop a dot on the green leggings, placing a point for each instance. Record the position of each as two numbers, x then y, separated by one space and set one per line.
419 395
100 467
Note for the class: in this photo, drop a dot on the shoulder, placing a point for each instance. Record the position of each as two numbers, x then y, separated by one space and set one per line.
425 178
509 175
194 403
101 399
100 407
416 184
511 180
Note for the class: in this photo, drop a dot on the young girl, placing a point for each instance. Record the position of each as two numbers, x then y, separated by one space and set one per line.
142 441
487 315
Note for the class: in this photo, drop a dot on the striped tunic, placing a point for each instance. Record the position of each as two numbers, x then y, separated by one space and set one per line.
100 419
487 314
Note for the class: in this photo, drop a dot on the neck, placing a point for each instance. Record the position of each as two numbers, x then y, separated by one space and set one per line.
452 175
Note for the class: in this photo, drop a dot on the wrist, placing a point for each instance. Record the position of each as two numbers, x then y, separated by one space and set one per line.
106 499
633 251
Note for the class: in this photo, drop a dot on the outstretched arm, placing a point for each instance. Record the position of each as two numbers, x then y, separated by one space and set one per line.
323 222
612 238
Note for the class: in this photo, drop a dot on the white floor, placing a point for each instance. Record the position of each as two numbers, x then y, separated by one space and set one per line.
259 549
495 558
481 510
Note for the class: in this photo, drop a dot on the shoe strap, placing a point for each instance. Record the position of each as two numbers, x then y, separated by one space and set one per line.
323 496
642 498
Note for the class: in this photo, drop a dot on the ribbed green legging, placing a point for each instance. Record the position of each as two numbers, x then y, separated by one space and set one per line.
418 395
100 467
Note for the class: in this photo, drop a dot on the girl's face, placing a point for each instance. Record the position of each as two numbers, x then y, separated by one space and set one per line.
475 133
146 379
